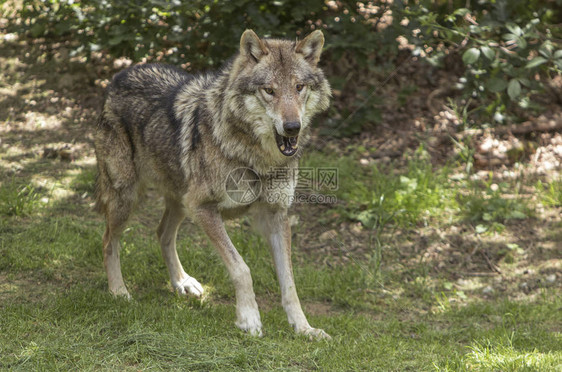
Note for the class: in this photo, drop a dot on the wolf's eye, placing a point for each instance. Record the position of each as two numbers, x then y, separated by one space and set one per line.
268 91
300 87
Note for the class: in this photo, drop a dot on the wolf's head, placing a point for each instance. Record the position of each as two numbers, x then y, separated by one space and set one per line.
279 88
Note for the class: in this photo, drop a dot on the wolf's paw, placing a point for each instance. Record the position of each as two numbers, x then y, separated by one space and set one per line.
314 334
120 292
249 321
189 285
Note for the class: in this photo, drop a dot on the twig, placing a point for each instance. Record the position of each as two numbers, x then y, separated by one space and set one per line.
490 264
478 274
541 125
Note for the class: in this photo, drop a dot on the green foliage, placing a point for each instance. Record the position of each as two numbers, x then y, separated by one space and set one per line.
550 193
380 196
490 206
17 200
203 32
506 46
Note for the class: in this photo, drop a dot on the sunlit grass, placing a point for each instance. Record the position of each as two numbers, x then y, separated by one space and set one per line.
56 313
17 199
550 193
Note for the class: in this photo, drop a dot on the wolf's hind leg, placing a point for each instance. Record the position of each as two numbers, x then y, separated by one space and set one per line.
167 233
117 215
116 194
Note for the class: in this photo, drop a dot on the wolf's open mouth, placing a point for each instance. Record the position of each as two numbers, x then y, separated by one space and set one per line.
287 145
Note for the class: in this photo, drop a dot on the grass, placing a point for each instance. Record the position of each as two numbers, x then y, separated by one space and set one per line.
85 328
490 202
550 193
379 195
17 199
56 313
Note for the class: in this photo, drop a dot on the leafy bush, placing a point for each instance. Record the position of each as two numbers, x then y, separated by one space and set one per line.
506 46
204 33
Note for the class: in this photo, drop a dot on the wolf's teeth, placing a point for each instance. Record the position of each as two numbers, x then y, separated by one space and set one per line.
282 147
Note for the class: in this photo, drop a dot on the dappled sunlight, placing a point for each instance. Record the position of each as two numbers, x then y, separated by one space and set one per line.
60 193
209 291
86 161
37 120
490 357
62 186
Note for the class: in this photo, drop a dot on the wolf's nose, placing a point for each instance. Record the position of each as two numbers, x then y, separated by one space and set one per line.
292 128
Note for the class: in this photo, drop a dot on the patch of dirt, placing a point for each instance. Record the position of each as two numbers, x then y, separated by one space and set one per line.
24 289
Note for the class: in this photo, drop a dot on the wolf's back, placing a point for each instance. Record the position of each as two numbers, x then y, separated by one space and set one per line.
150 80
138 131
138 93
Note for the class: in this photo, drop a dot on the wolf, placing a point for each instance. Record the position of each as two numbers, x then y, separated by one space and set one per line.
187 136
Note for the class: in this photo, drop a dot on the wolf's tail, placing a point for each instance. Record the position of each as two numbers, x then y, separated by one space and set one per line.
117 181
98 205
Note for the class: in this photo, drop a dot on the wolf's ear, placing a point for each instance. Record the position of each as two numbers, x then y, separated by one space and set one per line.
311 47
251 45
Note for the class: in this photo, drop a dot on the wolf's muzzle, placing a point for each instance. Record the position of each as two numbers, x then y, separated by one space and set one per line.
292 128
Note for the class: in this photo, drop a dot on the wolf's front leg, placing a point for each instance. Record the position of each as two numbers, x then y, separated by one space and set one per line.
247 314
275 227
